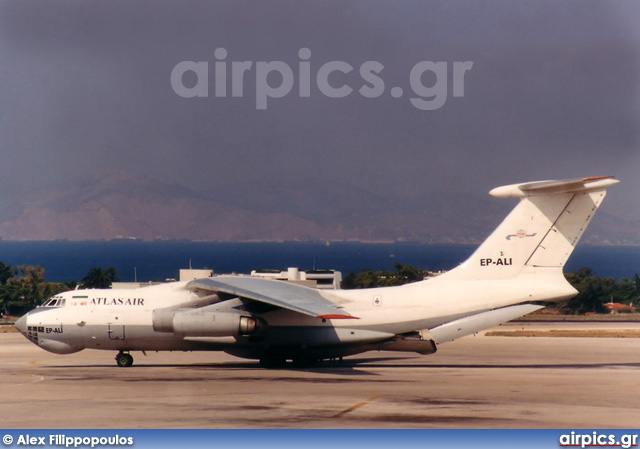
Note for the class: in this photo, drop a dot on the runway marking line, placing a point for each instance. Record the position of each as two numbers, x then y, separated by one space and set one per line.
35 380
356 406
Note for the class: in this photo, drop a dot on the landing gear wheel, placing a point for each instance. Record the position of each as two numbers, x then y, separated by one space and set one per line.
124 359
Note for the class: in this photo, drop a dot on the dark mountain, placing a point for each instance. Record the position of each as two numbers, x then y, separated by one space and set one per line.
125 205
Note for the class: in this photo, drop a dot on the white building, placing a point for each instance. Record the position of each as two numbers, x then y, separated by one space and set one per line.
190 274
322 279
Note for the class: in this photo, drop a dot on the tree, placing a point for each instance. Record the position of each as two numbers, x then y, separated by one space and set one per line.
25 289
349 281
368 278
6 272
593 292
71 285
408 273
99 278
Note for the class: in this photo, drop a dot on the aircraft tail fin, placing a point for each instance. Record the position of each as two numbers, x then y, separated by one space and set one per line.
541 231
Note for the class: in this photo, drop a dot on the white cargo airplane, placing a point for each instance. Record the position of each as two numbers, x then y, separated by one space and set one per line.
274 321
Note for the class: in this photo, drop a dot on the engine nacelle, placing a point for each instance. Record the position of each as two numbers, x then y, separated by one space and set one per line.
193 323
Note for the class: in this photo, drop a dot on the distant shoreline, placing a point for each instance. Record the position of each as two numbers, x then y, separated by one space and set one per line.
158 260
295 242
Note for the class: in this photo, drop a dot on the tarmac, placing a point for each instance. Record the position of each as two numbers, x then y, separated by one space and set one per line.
476 382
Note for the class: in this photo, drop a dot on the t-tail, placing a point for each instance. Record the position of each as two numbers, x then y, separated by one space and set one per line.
541 232
522 260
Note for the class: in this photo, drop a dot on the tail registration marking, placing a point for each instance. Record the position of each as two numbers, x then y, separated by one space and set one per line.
500 261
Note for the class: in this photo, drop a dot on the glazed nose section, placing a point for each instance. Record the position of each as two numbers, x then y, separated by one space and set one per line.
21 324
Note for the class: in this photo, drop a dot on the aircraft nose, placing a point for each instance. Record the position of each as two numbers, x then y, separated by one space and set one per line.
21 324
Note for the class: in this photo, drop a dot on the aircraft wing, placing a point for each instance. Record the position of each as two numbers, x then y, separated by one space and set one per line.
298 298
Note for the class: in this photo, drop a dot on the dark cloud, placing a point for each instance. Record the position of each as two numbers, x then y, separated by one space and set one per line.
553 93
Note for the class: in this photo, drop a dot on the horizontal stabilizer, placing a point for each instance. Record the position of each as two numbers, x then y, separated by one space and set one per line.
297 298
553 187
541 231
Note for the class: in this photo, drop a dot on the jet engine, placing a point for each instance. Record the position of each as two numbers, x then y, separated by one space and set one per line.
196 323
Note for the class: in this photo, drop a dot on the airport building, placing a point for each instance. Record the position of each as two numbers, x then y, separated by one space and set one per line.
322 279
189 274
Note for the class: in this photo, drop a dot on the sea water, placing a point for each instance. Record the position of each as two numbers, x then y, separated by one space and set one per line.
160 260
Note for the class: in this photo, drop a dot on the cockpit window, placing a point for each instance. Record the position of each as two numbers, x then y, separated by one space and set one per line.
56 301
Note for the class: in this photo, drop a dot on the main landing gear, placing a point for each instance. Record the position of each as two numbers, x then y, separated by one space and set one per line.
124 359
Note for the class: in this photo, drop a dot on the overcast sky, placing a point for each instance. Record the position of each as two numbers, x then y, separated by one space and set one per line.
553 93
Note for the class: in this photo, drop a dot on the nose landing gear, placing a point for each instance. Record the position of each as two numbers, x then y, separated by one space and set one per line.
124 359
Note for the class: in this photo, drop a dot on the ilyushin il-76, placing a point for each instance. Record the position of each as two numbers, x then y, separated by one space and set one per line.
274 321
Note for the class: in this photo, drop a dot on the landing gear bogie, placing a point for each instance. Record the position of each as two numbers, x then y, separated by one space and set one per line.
124 359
